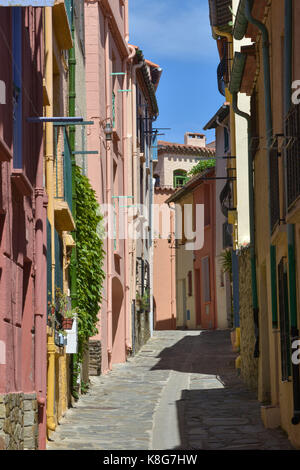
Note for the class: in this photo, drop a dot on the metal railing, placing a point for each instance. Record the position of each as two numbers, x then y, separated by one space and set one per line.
292 138
274 189
63 169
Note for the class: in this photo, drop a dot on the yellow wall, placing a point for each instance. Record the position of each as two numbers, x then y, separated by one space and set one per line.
271 389
184 264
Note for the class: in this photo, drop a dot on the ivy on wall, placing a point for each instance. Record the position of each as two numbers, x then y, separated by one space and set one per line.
90 259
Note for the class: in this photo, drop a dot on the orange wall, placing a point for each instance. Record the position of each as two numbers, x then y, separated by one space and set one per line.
206 314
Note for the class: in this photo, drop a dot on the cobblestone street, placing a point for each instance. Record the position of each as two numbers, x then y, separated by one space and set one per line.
180 391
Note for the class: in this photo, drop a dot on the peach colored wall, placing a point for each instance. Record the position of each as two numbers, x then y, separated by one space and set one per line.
164 288
96 111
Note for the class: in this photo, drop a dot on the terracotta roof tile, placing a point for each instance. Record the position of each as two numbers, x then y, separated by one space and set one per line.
183 148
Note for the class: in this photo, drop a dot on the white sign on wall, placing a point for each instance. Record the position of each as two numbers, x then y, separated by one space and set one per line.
71 347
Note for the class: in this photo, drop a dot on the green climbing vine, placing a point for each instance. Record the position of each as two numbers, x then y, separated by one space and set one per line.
89 268
201 166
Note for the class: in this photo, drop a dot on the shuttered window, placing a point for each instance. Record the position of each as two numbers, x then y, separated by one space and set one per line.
285 346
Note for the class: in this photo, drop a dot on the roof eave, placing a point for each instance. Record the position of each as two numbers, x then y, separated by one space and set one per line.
241 22
222 113
148 82
237 72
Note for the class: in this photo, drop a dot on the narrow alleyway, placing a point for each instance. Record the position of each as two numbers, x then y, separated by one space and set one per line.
181 391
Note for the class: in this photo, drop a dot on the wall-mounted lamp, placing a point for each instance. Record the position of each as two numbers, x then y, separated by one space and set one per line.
108 131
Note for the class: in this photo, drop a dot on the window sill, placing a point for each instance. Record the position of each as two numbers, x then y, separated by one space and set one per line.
63 217
61 25
21 182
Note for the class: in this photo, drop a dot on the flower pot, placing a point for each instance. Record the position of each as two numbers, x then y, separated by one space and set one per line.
67 323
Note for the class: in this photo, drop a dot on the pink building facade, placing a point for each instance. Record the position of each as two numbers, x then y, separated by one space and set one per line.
107 54
22 233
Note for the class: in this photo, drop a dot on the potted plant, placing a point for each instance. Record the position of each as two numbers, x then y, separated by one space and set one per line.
68 319
63 307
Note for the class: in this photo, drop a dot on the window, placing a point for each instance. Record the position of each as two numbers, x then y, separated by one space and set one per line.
179 178
157 180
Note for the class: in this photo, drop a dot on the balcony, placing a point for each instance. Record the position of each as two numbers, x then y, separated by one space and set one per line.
63 185
274 189
62 17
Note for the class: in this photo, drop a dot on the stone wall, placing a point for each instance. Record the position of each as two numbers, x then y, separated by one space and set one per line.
94 357
142 329
18 422
249 364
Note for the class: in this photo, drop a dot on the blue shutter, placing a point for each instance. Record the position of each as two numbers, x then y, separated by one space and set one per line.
17 85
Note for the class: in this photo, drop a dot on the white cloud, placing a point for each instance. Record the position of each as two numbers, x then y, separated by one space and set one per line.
172 29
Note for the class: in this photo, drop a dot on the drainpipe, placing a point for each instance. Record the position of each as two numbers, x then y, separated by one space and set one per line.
72 96
73 265
128 345
108 197
134 157
40 292
229 96
51 425
128 339
40 295
251 223
268 118
126 25
233 152
288 48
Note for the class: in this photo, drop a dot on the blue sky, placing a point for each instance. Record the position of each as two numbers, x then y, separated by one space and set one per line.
176 35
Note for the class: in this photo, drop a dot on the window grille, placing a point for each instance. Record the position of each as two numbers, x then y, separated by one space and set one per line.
274 188
292 133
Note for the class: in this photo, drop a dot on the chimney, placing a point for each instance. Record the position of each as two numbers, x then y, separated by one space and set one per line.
195 139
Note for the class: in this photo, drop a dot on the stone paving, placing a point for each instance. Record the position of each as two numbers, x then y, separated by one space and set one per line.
180 391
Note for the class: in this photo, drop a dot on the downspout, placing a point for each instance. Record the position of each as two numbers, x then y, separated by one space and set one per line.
151 316
129 188
128 340
73 264
229 98
108 198
40 311
268 119
251 223
288 48
126 23
51 425
134 158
